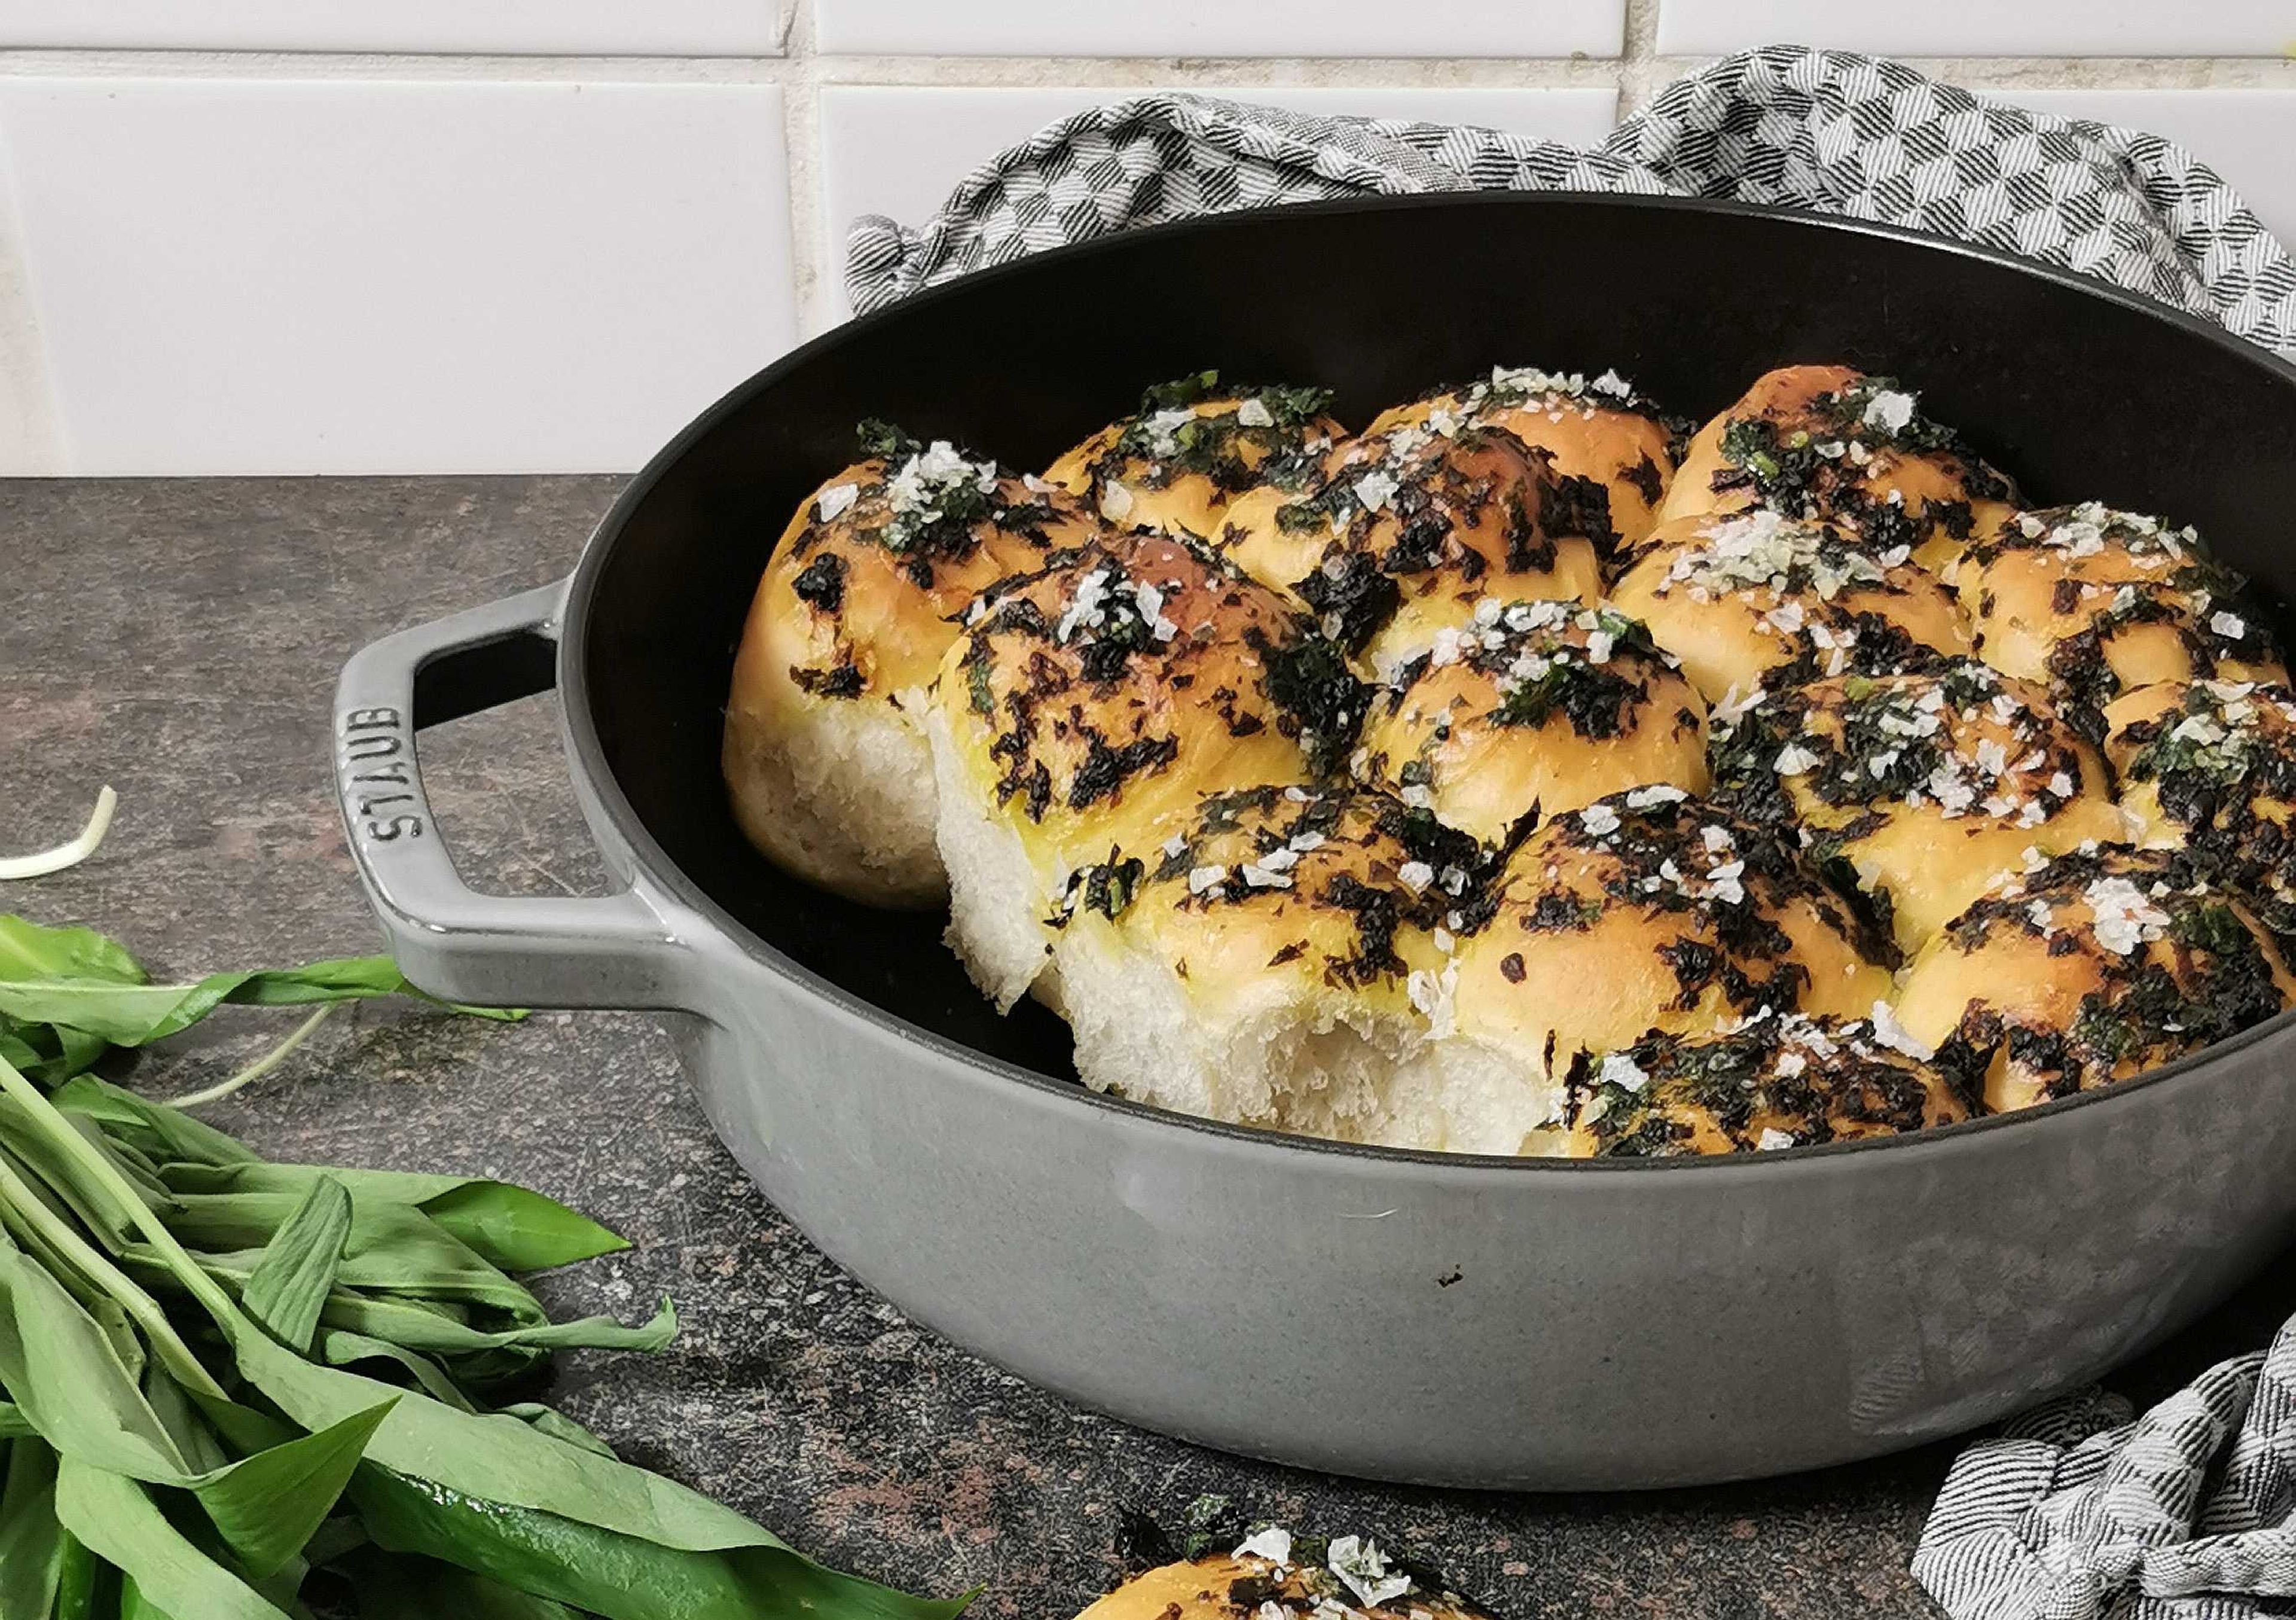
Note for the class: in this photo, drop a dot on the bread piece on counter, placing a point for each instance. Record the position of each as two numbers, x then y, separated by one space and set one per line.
1532 706
2090 968
1651 910
825 755
1611 451
1424 519
1282 960
1771 1081
1348 1579
1193 447
1089 706
1826 441
1918 790
1752 601
2092 602
2210 766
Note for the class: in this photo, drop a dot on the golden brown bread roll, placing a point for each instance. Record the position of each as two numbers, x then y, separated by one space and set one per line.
1771 1081
2087 969
1752 601
1611 451
2092 602
1281 960
1348 1578
1919 790
2210 766
1541 706
1090 706
1826 441
1428 516
1193 447
823 755
1651 910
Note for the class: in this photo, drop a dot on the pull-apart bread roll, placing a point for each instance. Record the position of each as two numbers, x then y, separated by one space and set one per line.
1532 708
2210 766
824 752
1345 1579
1824 442
2087 969
1918 790
2093 602
1088 706
1651 910
1415 524
1768 1082
1610 450
1282 960
1752 601
1193 447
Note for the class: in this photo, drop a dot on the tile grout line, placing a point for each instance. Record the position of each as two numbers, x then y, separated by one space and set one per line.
813 256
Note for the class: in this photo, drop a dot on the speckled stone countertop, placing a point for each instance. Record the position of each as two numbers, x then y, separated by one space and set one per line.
179 640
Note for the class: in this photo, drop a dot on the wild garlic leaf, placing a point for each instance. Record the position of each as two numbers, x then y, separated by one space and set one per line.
69 1381
122 1524
32 1544
166 1136
34 951
396 1587
265 1507
289 1284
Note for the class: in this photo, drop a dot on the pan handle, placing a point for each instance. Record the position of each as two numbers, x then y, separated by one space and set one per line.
615 950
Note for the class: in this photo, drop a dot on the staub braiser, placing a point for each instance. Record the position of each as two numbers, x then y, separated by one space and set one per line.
1411 1316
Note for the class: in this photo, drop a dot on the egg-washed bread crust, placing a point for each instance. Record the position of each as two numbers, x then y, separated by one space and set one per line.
1917 792
2092 602
1348 1578
1611 452
1653 910
2092 968
823 752
1768 1083
1531 708
1751 601
1828 442
2210 766
1428 517
1193 447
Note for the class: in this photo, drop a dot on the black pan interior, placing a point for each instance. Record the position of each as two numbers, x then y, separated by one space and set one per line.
2077 391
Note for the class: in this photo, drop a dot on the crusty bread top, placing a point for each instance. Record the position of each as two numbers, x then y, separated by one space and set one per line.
1534 705
1611 451
1648 909
863 592
2211 766
1243 1585
1830 442
1751 601
2094 601
1194 446
1769 1082
2091 967
1430 512
1923 788
1099 698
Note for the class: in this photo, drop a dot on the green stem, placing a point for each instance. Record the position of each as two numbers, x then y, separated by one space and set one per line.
76 1148
142 1308
256 1070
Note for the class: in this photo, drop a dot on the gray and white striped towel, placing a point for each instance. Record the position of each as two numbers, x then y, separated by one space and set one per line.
2077 1513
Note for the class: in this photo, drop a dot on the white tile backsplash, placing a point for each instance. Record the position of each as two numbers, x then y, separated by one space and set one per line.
301 277
669 28
2247 136
899 150
1983 28
1222 28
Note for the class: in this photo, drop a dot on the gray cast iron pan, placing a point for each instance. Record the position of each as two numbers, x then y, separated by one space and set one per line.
1408 1316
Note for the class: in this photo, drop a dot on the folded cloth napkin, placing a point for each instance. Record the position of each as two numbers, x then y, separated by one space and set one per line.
2077 1513
1823 130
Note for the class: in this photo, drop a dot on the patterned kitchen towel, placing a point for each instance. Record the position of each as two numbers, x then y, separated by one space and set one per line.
1823 130
2077 1513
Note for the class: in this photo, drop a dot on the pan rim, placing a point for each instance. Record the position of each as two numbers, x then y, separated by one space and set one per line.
587 755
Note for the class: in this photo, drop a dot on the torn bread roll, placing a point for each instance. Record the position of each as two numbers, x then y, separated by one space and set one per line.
823 752
1088 706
